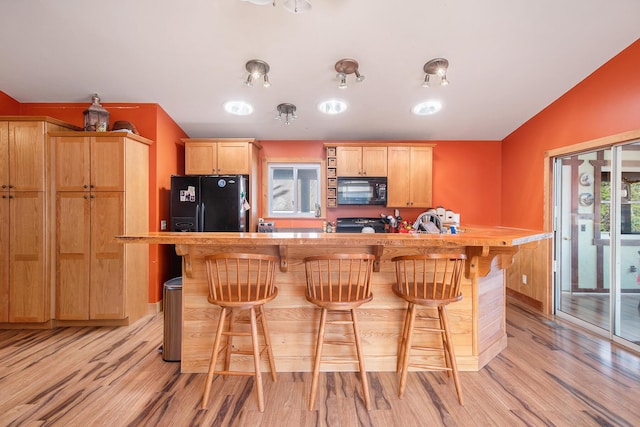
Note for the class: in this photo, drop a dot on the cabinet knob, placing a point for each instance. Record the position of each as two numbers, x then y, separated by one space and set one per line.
4 185
4 197
92 186
10 185
85 186
85 197
92 196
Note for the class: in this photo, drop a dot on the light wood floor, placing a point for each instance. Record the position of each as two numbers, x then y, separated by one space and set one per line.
551 374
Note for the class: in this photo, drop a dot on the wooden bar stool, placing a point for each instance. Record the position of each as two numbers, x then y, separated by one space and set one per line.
339 283
240 282
428 280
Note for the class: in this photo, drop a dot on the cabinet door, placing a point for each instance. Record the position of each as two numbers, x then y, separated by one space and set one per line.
374 161
233 158
28 283
71 162
107 292
4 256
421 177
4 155
72 255
200 158
107 163
26 156
349 161
398 192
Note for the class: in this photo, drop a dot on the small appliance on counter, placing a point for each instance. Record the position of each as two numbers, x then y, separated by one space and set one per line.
360 225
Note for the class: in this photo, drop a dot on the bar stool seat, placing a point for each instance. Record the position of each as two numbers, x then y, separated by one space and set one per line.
428 280
338 284
240 283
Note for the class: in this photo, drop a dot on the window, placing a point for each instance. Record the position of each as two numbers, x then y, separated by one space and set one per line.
294 189
630 202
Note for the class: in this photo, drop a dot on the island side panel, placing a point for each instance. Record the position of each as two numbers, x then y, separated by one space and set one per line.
293 321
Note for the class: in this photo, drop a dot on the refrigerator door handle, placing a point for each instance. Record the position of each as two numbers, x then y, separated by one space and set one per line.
202 218
197 217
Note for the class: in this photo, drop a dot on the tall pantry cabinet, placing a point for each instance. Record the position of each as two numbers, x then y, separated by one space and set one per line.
101 190
25 266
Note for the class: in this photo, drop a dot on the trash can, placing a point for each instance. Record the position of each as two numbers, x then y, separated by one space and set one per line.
172 307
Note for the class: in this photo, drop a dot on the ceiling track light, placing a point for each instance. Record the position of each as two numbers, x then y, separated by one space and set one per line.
286 112
257 69
345 67
293 6
436 67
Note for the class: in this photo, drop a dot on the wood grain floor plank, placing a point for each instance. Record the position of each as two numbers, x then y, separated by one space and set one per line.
551 374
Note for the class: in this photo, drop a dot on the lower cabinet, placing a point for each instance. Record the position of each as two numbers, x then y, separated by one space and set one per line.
23 258
90 264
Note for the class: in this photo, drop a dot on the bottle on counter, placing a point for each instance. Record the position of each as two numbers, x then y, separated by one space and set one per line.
324 226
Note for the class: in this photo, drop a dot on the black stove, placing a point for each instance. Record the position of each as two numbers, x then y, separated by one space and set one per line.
355 225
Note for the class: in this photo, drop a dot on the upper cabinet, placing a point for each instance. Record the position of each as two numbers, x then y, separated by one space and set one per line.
361 161
409 179
219 156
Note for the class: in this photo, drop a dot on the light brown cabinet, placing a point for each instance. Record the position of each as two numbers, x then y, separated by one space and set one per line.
361 161
25 285
101 190
230 156
409 176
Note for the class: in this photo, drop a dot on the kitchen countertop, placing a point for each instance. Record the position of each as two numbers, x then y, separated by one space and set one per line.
471 236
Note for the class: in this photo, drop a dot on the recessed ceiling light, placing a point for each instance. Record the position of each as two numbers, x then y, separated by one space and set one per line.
238 108
332 106
426 108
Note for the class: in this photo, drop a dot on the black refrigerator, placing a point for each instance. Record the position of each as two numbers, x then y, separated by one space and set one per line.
209 203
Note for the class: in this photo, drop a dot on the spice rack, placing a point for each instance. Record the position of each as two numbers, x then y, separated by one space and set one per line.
332 178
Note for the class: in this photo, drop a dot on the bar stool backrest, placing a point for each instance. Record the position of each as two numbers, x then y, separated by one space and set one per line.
339 277
238 278
430 276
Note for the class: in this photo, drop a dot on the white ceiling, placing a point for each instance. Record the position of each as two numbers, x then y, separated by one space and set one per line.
508 60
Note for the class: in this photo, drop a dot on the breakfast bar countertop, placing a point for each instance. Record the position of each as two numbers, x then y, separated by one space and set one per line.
469 236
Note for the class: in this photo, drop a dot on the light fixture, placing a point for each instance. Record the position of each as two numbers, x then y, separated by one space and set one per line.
293 6
332 106
238 108
297 6
347 66
96 118
426 108
257 68
436 67
286 112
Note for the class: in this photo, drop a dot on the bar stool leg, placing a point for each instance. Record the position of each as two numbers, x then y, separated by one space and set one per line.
214 358
407 349
452 355
230 326
267 341
443 337
316 362
403 340
256 359
363 372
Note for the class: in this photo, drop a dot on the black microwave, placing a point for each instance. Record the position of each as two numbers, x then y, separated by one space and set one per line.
362 191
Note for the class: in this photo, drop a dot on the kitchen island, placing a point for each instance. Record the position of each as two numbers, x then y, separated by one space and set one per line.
477 322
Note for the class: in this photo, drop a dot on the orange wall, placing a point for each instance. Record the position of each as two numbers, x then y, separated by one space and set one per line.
8 105
605 103
466 179
166 157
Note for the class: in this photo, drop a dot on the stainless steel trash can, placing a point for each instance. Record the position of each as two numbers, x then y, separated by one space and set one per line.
172 307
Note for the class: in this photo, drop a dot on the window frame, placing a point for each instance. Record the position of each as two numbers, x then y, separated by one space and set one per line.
267 167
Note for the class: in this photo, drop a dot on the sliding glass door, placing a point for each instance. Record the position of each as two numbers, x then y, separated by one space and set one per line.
597 245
